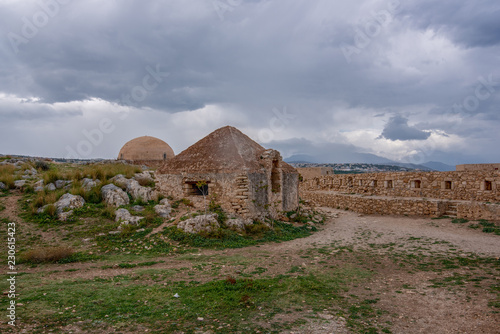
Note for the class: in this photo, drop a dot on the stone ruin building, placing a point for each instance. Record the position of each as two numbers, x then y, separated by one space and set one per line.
245 178
146 150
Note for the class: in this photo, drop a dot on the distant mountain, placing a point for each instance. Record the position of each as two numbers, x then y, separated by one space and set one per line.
439 166
409 165
345 157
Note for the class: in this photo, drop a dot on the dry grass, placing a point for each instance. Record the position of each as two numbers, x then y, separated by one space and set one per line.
47 254
102 172
7 175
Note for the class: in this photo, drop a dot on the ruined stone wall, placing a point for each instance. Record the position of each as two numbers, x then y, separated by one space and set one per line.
247 195
477 167
404 205
471 186
478 210
376 204
290 193
230 190
308 173
149 163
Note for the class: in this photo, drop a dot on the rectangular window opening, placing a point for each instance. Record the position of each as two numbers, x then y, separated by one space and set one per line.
194 190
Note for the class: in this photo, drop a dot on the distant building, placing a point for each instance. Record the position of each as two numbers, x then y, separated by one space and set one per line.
477 167
146 150
244 177
312 172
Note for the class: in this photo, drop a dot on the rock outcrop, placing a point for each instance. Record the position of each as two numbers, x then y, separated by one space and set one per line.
204 223
113 195
163 209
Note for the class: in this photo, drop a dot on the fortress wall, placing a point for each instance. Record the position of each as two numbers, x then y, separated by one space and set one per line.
402 205
470 186
376 205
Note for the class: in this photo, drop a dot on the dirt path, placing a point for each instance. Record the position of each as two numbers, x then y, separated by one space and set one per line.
410 303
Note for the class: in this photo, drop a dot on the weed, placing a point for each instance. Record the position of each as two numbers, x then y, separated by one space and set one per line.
47 254
459 220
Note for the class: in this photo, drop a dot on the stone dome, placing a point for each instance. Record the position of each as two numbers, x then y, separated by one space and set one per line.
146 148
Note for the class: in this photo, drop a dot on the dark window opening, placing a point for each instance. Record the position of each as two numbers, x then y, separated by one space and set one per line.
349 182
275 177
389 184
488 185
121 156
418 184
164 156
374 183
447 184
194 190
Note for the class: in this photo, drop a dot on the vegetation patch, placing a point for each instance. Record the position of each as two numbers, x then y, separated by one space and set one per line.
226 238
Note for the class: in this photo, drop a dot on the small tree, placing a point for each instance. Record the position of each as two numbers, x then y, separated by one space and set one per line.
203 188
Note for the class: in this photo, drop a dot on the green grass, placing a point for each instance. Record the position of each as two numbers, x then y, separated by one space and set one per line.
225 238
128 300
459 221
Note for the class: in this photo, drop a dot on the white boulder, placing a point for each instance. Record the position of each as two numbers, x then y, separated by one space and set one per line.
113 195
203 223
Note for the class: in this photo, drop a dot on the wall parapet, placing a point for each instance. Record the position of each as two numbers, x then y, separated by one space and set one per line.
466 185
402 205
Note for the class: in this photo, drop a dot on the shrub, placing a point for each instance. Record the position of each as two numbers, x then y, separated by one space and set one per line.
42 165
146 182
7 175
51 177
50 210
109 212
47 254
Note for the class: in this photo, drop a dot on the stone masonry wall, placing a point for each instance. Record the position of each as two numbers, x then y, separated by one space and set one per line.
376 204
470 186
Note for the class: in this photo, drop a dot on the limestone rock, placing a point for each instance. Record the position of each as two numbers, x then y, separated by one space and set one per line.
124 216
39 189
61 183
50 187
65 205
112 195
68 201
19 183
145 176
31 171
2 186
120 181
137 208
163 209
139 192
38 183
206 223
238 224
88 184
63 216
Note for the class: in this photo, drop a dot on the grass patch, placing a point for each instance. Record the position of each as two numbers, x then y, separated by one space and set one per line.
126 300
225 238
459 220
47 254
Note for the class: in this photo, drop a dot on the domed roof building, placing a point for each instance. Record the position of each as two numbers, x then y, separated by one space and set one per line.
146 150
247 179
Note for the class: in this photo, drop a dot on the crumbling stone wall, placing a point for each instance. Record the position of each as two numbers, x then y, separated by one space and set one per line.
470 186
403 205
477 167
377 204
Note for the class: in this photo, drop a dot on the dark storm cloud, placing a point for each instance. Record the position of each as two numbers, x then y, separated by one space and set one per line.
469 23
397 128
175 56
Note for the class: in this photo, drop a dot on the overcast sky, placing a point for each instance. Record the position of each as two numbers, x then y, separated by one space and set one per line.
411 81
